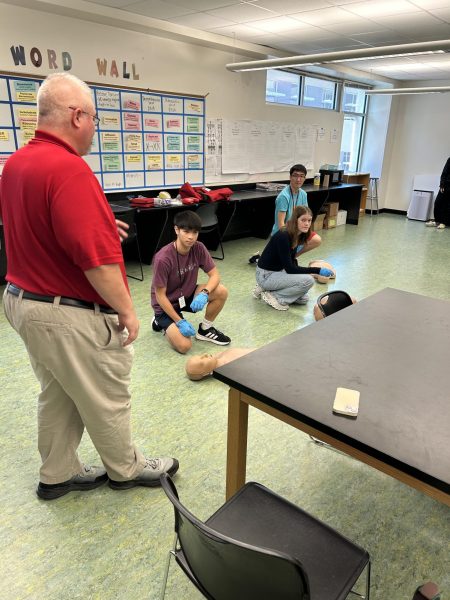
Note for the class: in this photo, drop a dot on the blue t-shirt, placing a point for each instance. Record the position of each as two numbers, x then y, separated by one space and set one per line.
286 201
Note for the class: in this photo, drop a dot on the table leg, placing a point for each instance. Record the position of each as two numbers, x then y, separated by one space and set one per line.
236 442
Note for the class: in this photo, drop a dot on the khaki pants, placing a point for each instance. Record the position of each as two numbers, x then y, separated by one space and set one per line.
84 373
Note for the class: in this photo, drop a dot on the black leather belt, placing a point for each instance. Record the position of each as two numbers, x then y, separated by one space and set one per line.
15 291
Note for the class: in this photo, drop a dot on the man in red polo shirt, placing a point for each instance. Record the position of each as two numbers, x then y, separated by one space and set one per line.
68 298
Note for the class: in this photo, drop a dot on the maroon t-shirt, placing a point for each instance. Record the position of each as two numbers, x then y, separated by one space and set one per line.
57 220
178 273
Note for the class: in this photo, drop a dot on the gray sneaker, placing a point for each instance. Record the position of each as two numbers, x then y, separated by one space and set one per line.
149 477
257 291
89 479
273 302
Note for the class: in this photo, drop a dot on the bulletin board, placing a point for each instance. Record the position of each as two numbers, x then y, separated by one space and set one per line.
144 140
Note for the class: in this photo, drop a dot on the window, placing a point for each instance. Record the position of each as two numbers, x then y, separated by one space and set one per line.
282 87
354 106
319 93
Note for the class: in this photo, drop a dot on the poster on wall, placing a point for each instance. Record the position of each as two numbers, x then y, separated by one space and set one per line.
143 140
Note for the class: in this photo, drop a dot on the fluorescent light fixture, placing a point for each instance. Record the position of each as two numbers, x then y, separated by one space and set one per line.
418 90
345 55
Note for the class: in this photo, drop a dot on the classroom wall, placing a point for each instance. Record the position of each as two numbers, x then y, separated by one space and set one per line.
417 143
161 64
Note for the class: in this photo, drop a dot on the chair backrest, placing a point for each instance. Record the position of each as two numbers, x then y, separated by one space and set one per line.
331 302
207 213
224 568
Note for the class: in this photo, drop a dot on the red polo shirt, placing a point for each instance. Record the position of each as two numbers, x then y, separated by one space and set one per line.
57 221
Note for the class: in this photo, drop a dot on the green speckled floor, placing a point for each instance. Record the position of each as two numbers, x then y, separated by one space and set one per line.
107 545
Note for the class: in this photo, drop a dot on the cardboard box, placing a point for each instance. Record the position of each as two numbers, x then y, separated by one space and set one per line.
318 222
331 209
341 218
329 222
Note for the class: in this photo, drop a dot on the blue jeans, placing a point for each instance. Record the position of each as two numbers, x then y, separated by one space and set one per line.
286 287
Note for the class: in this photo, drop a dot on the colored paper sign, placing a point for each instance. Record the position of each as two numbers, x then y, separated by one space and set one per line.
110 120
193 161
153 142
132 121
173 143
173 123
154 162
133 158
192 124
193 143
133 142
110 141
174 161
111 162
25 91
4 135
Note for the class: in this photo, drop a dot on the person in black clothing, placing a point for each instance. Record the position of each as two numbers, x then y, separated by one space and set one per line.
442 202
280 281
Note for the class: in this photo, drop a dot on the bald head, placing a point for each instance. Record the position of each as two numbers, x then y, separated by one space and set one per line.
64 103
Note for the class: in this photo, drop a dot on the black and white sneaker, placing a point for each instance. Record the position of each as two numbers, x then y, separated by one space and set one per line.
155 325
212 335
254 258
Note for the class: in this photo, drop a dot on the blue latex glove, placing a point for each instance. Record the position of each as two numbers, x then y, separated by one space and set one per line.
326 272
186 328
299 248
199 302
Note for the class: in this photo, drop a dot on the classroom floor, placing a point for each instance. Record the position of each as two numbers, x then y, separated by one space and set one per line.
106 545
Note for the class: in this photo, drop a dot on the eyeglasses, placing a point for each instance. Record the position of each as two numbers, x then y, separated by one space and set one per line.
298 175
93 117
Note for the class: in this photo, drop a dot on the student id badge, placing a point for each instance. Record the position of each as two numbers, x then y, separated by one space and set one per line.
181 302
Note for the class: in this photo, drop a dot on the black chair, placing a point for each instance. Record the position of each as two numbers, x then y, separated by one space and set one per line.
327 304
331 302
127 216
260 546
210 223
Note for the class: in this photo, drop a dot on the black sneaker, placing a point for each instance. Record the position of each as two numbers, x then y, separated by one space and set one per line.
254 258
212 335
89 479
155 325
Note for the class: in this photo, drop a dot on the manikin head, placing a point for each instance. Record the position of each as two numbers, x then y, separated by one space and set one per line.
200 366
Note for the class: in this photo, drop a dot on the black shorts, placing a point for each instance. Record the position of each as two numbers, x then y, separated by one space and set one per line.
164 321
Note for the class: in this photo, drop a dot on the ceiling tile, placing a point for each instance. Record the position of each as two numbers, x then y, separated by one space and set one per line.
325 16
157 9
285 7
277 24
431 4
241 13
357 26
239 31
386 37
200 4
442 13
201 20
371 9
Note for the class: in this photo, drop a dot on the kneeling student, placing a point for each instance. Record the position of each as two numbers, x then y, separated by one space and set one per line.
280 281
175 288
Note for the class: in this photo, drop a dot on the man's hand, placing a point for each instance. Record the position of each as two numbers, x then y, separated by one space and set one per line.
122 229
199 302
130 321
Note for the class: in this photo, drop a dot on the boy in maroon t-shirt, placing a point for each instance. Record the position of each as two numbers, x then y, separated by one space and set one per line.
175 288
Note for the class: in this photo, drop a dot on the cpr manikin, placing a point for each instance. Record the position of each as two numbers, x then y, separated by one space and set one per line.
322 265
202 365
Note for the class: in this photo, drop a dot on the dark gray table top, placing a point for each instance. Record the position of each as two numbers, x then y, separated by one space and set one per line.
394 347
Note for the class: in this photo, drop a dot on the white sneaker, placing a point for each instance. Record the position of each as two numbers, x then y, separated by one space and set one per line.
257 291
430 223
273 302
440 226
